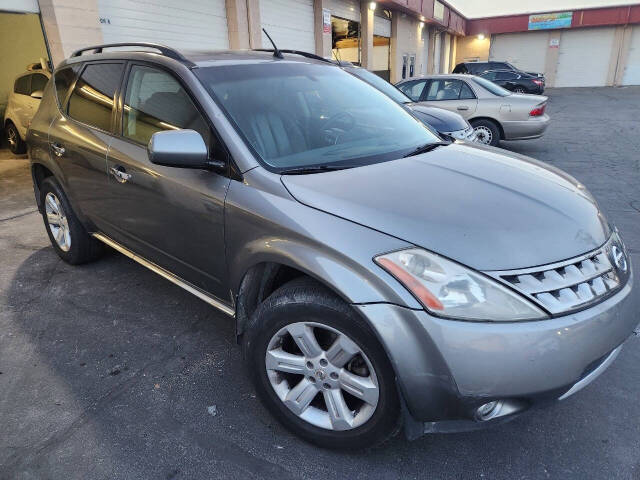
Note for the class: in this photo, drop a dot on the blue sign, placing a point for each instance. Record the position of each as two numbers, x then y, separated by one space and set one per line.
546 21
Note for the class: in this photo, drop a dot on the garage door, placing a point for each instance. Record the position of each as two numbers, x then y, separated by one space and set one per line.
526 51
290 24
349 9
186 25
584 56
20 6
632 70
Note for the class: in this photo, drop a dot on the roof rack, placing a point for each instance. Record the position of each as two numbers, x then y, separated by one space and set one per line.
297 52
163 49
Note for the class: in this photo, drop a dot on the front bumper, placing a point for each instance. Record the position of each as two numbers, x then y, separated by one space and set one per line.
533 127
446 369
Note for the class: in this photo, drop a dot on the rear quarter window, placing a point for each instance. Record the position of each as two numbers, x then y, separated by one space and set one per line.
63 79
22 85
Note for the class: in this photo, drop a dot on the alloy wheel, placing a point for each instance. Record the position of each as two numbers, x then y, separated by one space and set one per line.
57 222
484 135
322 376
12 136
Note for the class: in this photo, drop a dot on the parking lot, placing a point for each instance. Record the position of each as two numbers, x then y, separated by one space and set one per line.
109 371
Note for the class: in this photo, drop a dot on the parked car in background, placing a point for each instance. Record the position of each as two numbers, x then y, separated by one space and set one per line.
478 68
515 81
494 112
23 103
377 276
448 124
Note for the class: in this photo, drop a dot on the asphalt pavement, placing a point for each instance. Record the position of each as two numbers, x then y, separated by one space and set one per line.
109 371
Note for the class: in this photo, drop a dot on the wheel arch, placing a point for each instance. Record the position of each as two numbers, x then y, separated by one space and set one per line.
493 120
38 173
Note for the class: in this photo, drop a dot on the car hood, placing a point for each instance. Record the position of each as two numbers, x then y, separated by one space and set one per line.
438 118
483 207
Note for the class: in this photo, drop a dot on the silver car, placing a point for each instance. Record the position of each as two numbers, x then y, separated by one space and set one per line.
494 112
377 277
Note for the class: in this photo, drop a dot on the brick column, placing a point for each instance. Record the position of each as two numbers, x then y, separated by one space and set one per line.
323 40
551 57
366 35
395 58
255 26
237 24
70 25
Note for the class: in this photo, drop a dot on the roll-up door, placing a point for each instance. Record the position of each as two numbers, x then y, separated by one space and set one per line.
20 6
289 22
187 25
584 56
381 46
349 9
526 50
632 70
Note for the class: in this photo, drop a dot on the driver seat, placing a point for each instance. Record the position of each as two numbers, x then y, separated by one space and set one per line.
273 134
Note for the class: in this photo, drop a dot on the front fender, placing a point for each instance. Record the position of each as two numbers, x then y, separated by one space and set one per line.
264 223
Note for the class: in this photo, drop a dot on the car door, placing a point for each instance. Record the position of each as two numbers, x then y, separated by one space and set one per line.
507 80
413 89
173 217
451 94
80 134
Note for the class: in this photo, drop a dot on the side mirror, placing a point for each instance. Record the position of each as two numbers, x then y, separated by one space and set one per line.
182 149
36 94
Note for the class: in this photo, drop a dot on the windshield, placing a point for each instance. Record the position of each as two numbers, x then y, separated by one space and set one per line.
298 114
381 84
492 87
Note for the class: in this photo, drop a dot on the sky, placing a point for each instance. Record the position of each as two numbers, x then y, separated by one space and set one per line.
492 8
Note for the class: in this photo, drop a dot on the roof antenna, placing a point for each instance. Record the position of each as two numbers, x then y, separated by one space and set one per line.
276 53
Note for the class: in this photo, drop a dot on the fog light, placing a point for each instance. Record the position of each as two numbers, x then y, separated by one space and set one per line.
489 410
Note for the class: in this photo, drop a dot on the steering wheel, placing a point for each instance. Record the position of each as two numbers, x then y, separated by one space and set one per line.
338 124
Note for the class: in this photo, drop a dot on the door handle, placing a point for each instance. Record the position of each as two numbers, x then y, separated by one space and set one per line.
120 174
58 149
463 107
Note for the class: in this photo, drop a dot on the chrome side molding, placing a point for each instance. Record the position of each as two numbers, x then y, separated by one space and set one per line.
168 275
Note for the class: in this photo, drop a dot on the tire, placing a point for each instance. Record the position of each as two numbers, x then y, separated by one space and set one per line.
16 144
303 305
69 238
486 130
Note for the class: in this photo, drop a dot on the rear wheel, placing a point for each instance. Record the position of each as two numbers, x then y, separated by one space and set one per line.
69 238
16 145
487 132
320 370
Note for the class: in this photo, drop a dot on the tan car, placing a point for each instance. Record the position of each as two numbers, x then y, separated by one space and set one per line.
494 112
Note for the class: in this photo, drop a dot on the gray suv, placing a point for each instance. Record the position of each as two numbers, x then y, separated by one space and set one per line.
378 277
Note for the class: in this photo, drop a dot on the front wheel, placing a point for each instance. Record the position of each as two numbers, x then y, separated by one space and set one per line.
487 132
320 370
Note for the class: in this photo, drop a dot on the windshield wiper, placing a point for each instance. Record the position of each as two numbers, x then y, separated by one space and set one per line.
427 147
314 169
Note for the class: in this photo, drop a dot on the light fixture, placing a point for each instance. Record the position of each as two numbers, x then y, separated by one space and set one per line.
372 6
481 36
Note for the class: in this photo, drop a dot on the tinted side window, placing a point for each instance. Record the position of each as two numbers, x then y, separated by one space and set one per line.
38 82
156 101
92 99
498 65
63 79
466 93
444 90
23 85
413 90
506 76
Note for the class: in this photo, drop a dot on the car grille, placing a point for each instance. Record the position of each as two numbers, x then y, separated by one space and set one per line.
569 285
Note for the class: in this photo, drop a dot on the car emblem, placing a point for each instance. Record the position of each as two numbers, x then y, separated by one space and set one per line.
619 259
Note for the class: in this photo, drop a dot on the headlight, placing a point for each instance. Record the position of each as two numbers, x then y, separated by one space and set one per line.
450 290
